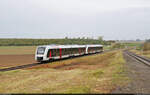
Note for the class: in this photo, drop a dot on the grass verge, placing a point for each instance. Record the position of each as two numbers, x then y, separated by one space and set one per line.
93 74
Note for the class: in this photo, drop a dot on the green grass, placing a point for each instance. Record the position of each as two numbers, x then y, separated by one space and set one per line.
17 50
119 73
132 44
107 47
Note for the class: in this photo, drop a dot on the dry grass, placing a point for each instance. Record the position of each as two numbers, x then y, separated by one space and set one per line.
102 74
145 51
146 46
142 53
82 62
17 50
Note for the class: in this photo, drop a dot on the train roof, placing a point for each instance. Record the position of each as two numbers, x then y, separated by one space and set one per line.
68 46
94 45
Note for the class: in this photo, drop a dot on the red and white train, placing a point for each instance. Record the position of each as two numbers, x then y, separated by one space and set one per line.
50 52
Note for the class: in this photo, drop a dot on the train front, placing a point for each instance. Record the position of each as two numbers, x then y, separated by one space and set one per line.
40 54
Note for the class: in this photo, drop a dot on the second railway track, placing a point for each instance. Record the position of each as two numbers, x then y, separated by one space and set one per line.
142 59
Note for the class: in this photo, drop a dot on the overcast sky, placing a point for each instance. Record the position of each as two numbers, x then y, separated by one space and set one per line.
112 19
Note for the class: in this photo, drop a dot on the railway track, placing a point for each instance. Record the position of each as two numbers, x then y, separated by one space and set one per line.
142 59
35 64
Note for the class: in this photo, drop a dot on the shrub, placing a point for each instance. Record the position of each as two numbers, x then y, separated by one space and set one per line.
146 46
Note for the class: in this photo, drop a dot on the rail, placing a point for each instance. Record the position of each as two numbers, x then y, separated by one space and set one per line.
142 59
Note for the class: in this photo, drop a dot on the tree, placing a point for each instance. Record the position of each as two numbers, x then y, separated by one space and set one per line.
83 38
148 40
66 37
138 40
100 38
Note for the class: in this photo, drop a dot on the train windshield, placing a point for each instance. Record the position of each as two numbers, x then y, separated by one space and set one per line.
41 50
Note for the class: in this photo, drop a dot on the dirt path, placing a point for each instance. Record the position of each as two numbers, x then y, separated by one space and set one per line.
140 77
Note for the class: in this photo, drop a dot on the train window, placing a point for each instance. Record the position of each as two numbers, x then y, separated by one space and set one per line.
66 51
41 50
62 51
57 52
77 50
70 51
54 52
74 50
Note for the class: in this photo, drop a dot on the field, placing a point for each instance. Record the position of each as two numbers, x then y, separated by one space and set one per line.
16 55
90 74
144 51
17 50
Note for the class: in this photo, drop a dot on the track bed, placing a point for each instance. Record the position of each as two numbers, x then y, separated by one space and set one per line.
139 73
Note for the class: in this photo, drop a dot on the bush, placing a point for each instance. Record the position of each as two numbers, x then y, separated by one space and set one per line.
146 46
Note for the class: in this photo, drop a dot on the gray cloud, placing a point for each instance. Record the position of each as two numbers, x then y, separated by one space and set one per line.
113 19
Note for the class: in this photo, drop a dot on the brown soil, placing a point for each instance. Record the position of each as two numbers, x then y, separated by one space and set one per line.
16 60
7 61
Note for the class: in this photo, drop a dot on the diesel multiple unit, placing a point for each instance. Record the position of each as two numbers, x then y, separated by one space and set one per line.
50 52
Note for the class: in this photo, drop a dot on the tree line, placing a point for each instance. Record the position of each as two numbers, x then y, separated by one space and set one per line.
65 41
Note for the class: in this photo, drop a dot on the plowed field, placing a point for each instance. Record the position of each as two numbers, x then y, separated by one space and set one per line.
16 60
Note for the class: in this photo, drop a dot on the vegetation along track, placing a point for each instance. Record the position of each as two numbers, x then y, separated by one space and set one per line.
35 64
144 60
